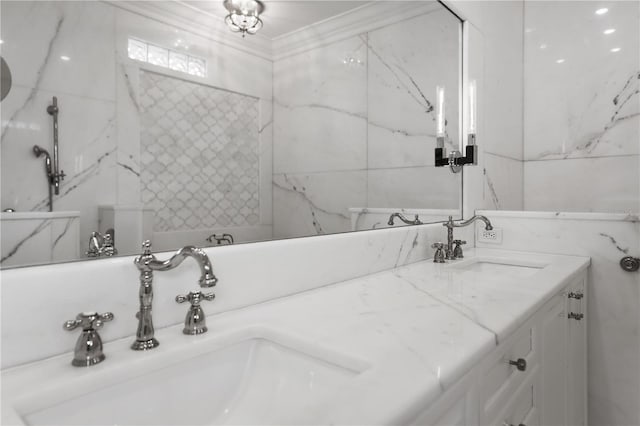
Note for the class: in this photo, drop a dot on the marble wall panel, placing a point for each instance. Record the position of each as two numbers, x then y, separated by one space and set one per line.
502 182
414 188
320 106
582 106
60 46
606 184
38 238
316 203
403 73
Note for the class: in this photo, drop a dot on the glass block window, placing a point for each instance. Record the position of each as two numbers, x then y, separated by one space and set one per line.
197 67
160 56
178 62
137 50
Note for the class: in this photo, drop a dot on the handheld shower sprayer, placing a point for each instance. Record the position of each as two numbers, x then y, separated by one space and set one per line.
39 152
52 168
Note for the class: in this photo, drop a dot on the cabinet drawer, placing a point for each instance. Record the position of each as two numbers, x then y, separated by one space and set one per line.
501 378
522 408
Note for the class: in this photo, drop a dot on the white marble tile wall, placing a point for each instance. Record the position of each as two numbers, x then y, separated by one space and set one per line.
582 106
289 267
77 51
613 313
354 125
62 49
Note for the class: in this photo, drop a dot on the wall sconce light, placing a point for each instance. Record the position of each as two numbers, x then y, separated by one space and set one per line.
455 160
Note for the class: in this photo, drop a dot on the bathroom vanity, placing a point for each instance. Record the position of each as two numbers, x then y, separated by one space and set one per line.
495 338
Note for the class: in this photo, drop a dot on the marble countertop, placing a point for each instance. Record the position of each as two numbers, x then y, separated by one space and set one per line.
418 329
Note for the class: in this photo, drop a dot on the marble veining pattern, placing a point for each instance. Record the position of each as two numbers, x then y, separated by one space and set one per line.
199 154
39 239
12 251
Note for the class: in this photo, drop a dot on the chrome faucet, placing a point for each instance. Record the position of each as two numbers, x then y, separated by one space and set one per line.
146 264
102 245
221 240
415 221
450 224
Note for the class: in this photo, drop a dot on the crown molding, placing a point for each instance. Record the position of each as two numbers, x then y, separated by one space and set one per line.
195 21
368 17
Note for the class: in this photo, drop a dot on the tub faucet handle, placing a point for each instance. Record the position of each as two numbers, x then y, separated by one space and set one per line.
195 321
88 350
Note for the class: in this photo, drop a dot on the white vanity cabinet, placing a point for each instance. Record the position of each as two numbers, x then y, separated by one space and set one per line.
545 383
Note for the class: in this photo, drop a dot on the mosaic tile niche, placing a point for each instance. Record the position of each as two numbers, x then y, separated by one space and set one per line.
199 155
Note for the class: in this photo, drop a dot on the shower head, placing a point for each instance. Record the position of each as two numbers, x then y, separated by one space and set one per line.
39 151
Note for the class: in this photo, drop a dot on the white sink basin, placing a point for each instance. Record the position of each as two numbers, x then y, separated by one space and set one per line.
520 268
251 381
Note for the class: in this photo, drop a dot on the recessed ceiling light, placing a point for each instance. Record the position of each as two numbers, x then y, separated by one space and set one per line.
543 46
616 49
1 41
560 61
602 11
609 31
65 58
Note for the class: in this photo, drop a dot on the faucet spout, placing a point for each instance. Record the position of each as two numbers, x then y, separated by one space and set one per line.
207 278
415 221
487 222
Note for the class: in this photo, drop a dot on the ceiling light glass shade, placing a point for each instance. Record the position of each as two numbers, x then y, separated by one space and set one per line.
244 15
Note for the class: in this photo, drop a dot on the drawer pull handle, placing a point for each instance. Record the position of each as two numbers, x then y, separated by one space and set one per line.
521 364
573 315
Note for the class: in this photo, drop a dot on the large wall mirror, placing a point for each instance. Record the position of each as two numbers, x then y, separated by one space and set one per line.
171 127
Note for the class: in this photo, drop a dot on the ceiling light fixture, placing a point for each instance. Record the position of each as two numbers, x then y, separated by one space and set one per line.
244 15
616 49
609 31
602 11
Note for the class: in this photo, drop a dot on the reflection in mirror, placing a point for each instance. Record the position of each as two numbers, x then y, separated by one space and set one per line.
200 136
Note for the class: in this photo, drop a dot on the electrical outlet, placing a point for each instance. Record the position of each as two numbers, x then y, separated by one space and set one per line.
493 236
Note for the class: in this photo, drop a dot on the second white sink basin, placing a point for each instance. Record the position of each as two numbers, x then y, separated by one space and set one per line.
497 267
251 381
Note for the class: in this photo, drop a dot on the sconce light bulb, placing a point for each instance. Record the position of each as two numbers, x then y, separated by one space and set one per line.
473 107
440 117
